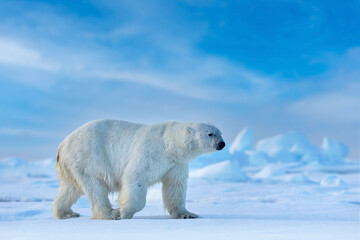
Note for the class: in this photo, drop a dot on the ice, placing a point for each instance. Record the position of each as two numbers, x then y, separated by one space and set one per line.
332 181
257 158
280 158
312 157
334 151
243 141
18 168
269 172
208 159
223 171
297 178
290 147
275 173
284 156
12 163
285 142
16 163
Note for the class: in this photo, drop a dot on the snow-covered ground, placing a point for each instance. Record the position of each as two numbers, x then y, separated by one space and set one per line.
279 188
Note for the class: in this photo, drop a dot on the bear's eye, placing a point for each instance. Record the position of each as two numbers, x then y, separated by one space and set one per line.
210 134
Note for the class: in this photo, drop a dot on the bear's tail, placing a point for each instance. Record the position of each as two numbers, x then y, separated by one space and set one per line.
58 167
57 157
60 171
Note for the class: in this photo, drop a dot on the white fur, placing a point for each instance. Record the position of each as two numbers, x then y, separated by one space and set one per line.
106 156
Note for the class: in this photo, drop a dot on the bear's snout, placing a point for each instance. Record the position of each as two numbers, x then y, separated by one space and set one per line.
220 145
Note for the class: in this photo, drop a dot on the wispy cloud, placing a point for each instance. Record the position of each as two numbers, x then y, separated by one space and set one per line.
15 54
198 76
205 80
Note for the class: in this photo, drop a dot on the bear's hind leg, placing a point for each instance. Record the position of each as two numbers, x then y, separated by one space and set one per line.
97 194
67 195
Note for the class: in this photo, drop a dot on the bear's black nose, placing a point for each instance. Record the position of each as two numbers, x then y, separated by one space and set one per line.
220 146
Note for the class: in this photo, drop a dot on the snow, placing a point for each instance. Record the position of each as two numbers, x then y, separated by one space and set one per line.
281 187
257 158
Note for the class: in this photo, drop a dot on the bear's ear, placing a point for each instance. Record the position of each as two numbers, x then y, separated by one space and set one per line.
190 131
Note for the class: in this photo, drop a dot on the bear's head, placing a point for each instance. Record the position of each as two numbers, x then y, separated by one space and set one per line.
205 138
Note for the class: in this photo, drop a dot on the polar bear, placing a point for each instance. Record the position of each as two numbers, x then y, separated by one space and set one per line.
105 156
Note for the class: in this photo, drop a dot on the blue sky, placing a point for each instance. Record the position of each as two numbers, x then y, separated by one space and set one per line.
275 66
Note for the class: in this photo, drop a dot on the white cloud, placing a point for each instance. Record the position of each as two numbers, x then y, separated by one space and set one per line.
13 53
188 75
193 83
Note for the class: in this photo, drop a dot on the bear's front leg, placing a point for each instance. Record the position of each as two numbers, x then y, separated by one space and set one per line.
132 197
174 185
